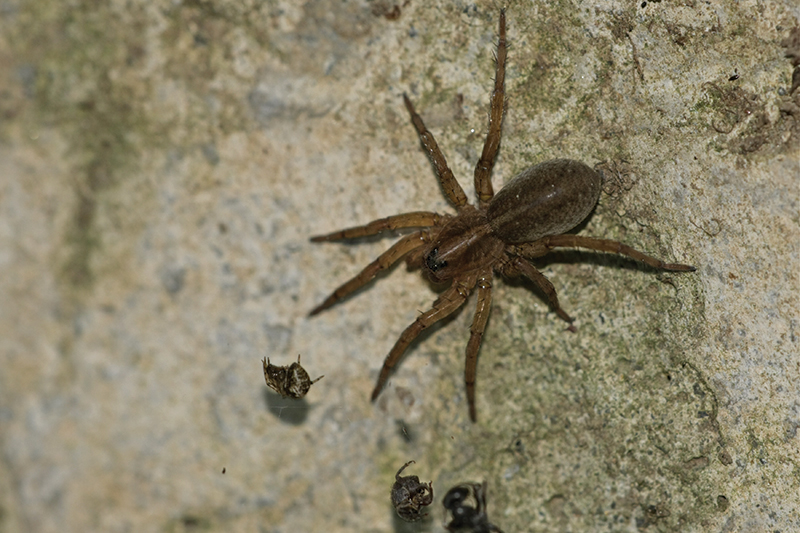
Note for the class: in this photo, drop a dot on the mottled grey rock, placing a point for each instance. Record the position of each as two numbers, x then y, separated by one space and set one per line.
162 167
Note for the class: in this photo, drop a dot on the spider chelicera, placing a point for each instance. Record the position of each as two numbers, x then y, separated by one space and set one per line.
526 219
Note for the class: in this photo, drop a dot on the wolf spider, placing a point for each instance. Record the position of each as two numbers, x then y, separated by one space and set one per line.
526 219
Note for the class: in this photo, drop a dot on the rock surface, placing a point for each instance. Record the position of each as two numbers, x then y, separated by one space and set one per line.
162 166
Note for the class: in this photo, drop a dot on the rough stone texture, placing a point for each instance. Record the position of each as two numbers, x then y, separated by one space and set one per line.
162 165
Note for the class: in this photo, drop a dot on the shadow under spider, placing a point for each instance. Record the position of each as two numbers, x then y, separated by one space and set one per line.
288 410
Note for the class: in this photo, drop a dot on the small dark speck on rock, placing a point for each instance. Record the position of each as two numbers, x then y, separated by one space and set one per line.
725 458
697 463
172 279
412 32
791 430
404 430
210 153
722 502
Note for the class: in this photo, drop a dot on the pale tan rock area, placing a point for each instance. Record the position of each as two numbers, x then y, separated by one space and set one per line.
163 165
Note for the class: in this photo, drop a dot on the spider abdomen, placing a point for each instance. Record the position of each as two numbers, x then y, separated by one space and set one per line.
550 198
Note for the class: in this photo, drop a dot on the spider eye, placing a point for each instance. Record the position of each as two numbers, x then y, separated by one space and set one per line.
431 262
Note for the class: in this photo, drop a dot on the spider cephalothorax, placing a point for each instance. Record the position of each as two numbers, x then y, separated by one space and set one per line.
526 219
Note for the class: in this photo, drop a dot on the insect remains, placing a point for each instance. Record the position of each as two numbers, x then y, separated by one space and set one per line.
291 381
465 517
526 219
409 495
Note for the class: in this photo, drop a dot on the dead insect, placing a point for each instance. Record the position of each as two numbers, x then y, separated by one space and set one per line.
291 381
409 495
465 517
526 219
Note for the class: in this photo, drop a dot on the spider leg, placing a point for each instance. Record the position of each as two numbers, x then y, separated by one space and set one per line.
614 247
483 170
445 305
397 475
384 261
484 305
449 184
417 219
319 378
519 266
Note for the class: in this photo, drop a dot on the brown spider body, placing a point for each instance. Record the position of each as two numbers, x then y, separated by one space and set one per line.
526 219
546 199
